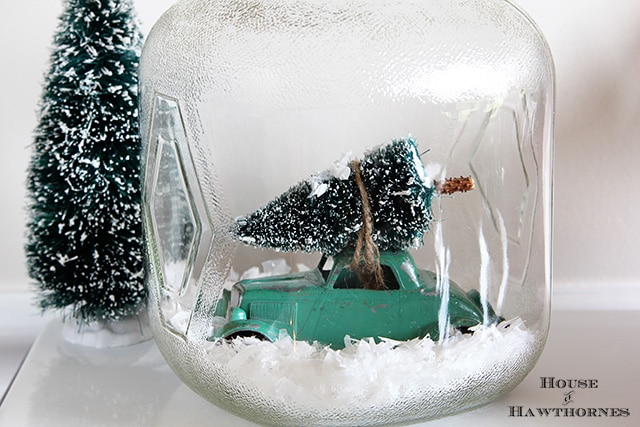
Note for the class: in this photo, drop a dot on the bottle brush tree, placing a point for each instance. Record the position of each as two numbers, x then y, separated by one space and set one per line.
326 212
382 202
84 240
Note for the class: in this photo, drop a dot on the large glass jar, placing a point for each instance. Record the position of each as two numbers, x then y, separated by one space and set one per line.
245 99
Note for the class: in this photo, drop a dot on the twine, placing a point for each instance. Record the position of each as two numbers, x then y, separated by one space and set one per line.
366 258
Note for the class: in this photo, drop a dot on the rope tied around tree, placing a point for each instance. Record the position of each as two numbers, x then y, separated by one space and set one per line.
366 257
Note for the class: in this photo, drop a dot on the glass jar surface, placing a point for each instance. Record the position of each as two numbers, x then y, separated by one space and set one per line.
281 135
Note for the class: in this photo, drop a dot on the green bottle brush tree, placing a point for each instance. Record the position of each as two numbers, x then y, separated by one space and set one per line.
84 243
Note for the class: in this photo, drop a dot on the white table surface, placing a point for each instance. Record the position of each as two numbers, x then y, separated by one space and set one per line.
62 384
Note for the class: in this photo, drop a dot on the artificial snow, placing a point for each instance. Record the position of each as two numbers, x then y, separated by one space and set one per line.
106 334
433 172
369 373
178 319
290 382
340 169
272 267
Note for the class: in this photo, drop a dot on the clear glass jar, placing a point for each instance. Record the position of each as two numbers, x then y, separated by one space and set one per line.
244 99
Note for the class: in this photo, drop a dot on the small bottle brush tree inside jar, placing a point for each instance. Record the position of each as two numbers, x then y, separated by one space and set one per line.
382 202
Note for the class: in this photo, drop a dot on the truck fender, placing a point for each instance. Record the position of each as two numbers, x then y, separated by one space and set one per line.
250 328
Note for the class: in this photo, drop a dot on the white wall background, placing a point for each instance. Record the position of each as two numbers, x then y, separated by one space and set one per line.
596 45
26 33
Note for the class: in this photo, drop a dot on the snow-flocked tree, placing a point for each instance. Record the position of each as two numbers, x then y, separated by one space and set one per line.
380 203
84 242
326 212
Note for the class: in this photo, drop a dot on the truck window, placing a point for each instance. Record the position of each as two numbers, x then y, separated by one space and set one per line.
348 279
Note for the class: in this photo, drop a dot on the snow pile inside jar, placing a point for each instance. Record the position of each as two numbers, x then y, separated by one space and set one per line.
366 381
369 373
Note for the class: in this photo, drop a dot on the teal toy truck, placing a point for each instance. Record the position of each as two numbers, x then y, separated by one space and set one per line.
330 303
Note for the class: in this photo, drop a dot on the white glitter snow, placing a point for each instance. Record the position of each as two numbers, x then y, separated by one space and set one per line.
107 334
378 374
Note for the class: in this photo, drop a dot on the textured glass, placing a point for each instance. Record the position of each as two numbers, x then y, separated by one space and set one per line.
243 99
177 217
172 214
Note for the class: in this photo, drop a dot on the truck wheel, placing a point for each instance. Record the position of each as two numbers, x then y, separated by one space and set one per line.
246 334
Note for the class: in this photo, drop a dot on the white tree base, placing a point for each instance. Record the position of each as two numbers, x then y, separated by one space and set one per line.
106 334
